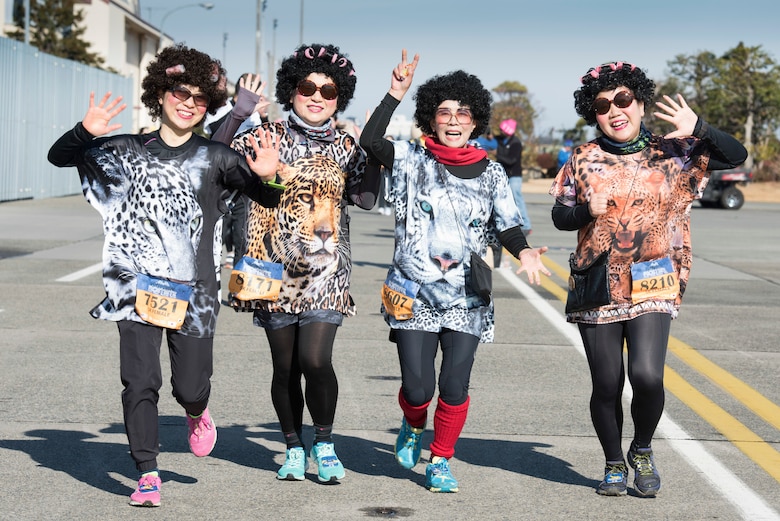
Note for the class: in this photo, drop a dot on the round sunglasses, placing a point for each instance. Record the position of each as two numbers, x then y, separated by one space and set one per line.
462 116
328 91
183 94
622 100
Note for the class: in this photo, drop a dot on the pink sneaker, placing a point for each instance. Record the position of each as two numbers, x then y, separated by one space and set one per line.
147 494
202 434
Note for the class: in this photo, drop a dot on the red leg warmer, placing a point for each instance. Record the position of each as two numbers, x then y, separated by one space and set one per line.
416 416
448 422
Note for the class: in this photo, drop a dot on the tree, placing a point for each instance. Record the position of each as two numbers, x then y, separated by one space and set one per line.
738 92
747 92
55 28
578 134
514 102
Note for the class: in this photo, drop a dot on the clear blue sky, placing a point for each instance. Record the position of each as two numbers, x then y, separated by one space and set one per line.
545 45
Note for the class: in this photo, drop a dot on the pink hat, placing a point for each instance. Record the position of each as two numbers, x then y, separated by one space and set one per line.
508 126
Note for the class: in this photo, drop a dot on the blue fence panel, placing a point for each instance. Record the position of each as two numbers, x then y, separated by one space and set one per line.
44 96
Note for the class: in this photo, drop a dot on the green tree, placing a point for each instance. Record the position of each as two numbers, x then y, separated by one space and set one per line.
747 94
738 92
514 102
693 77
55 28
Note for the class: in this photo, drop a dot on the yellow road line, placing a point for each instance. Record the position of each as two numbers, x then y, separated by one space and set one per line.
752 399
755 448
737 433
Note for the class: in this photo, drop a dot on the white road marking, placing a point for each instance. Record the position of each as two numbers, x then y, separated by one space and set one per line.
76 275
749 504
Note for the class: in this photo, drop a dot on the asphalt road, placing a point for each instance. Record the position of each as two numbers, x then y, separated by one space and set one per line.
528 451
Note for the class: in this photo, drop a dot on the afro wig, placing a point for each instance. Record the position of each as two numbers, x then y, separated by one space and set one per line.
458 86
179 65
610 76
324 59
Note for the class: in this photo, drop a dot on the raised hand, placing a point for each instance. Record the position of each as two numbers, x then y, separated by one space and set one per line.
97 121
678 114
266 153
256 85
402 76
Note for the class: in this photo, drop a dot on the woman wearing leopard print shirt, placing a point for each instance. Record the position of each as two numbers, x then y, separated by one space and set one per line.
628 193
306 238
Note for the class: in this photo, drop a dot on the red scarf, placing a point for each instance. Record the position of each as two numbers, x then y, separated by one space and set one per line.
467 155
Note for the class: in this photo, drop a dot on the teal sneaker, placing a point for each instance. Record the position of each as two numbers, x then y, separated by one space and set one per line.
647 481
615 480
294 467
329 468
408 445
438 477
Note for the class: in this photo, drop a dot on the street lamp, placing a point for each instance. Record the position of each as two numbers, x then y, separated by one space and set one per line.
204 5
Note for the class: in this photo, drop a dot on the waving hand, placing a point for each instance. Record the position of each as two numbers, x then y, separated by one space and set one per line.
97 121
678 114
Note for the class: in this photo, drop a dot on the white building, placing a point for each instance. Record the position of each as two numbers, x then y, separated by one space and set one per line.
400 127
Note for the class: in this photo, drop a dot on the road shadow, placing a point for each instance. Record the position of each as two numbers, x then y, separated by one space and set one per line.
79 455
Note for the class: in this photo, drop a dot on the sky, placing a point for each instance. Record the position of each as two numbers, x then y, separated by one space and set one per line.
545 45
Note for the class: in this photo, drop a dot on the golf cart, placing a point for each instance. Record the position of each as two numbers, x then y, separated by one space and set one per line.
722 191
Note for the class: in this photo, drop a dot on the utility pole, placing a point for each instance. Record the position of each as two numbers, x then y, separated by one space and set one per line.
300 38
27 22
261 5
258 36
273 112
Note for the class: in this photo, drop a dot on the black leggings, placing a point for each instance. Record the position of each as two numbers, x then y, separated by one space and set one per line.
417 354
142 377
646 337
303 350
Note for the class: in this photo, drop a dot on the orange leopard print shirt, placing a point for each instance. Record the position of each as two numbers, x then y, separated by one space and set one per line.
648 215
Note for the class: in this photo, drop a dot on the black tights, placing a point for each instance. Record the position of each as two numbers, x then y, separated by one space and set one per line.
303 350
646 337
417 354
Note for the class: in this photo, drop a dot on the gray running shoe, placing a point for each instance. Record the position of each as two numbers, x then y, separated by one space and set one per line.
647 481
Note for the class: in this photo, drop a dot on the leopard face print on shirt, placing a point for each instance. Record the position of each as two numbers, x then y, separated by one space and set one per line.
648 209
303 233
152 220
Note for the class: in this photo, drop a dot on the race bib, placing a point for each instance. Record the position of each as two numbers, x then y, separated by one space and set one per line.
655 279
161 302
255 279
398 296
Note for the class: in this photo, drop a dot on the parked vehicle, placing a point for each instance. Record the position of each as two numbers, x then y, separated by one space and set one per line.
722 191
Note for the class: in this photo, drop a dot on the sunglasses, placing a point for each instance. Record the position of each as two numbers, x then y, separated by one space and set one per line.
462 116
183 94
328 91
622 100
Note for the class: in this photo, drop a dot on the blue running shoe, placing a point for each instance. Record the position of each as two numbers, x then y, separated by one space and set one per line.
329 468
294 468
615 480
408 445
438 477
647 481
